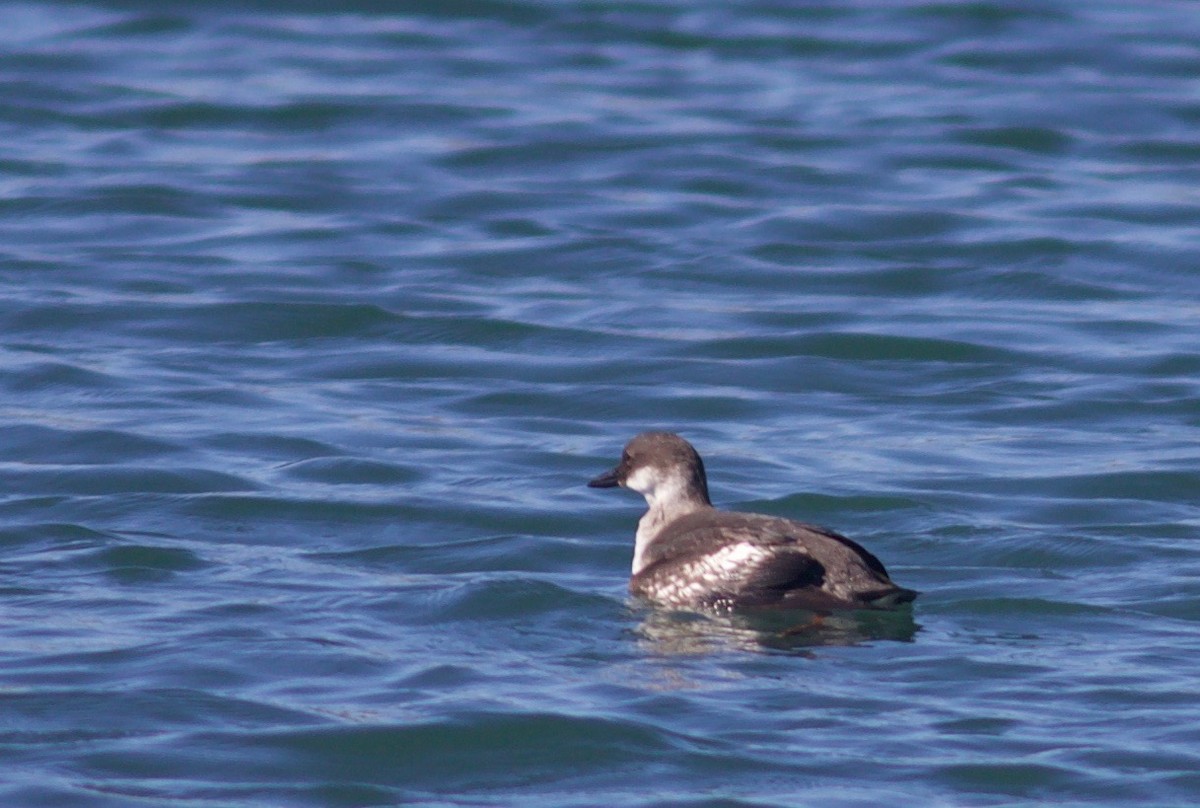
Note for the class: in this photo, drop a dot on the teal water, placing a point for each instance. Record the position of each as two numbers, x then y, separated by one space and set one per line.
316 322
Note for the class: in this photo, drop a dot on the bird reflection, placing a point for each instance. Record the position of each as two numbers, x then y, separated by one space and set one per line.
676 633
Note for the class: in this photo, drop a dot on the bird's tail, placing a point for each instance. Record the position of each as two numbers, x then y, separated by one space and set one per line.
891 597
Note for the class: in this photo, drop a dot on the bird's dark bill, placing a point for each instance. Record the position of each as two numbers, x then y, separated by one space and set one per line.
608 479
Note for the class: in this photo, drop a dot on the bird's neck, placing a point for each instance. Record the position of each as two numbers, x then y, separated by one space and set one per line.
661 512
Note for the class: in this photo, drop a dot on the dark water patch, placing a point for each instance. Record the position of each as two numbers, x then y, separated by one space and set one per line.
533 404
1007 59
140 199
518 228
557 147
500 751
113 479
834 225
33 444
792 321
1186 112
475 204
278 511
1038 140
273 322
38 62
1029 607
1175 364
987 16
244 616
351 471
144 24
1126 329
48 376
495 334
1015 255
988 726
431 365
1166 150
53 535
155 288
485 554
265 446
134 564
849 346
60 318
1064 553
663 29
818 507
507 598
281 117
1031 780
906 281
1159 213
1146 485
28 168
217 323
1056 406
66 718
513 12
36 508
1178 599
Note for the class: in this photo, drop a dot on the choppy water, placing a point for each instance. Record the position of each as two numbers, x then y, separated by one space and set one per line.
315 323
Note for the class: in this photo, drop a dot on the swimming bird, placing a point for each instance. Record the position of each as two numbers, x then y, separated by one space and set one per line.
689 555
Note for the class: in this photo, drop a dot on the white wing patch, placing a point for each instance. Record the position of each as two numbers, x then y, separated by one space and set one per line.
735 556
722 570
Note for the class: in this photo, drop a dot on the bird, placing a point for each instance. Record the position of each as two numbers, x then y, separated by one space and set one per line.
689 555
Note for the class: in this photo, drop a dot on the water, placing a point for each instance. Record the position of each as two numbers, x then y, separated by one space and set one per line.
316 323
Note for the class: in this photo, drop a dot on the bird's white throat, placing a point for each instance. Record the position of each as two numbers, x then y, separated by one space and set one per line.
667 499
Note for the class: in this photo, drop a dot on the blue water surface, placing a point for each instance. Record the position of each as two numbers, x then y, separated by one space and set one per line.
316 319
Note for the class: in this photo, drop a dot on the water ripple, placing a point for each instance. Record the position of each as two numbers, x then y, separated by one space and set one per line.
316 323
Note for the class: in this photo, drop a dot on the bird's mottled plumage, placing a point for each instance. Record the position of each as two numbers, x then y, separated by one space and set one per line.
688 554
